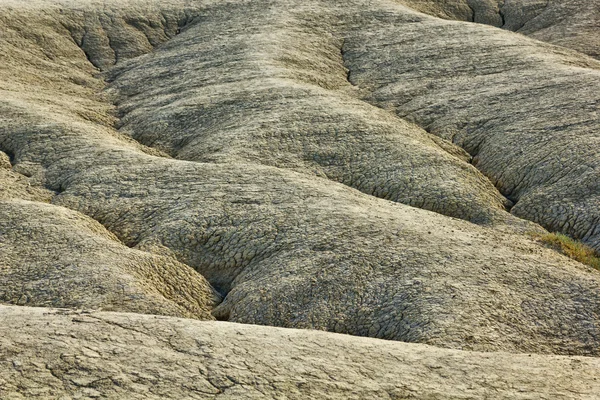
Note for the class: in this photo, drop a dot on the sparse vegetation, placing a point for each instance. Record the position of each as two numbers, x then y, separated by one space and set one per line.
571 248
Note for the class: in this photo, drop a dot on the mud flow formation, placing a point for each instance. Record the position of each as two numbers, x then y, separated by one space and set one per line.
374 168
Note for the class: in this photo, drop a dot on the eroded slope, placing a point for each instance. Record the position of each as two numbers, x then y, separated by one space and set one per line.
248 211
54 257
527 112
233 89
72 261
569 23
49 354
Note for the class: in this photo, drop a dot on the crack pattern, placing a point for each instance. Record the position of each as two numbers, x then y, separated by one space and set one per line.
263 206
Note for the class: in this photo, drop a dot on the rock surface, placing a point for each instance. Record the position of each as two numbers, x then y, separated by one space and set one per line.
72 261
357 167
289 248
526 112
57 354
569 23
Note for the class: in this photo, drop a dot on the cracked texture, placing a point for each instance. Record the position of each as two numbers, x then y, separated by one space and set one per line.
569 23
72 261
527 112
280 152
289 107
112 355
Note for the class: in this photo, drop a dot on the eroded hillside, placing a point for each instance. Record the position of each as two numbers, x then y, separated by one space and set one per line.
356 167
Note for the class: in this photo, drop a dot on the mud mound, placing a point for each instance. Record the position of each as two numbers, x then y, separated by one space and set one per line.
356 167
47 354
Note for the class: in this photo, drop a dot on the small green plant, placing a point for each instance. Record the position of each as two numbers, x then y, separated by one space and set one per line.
571 248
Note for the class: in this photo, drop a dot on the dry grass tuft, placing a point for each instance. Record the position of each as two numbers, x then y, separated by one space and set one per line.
571 248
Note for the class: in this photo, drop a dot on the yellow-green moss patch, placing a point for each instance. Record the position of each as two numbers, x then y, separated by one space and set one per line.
571 248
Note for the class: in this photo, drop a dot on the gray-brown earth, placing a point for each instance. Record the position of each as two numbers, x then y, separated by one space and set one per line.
568 23
356 167
133 356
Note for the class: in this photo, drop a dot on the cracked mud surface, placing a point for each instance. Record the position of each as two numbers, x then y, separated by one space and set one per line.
358 168
113 355
568 23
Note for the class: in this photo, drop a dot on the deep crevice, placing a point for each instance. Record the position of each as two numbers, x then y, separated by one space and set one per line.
343 58
11 156
472 12
221 316
501 13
